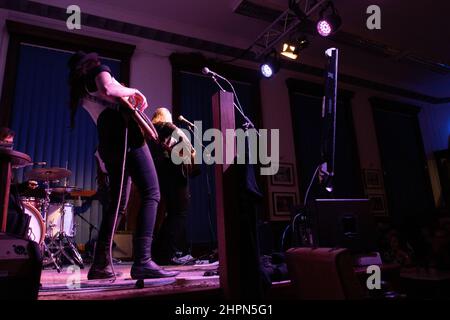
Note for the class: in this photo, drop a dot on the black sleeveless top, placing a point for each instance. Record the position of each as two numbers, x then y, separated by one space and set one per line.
89 80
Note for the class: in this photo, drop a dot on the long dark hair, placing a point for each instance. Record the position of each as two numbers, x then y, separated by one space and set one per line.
77 83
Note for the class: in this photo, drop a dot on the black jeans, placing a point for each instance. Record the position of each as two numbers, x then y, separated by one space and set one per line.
139 169
172 237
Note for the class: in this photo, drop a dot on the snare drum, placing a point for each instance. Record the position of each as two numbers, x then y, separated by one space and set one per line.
60 219
36 230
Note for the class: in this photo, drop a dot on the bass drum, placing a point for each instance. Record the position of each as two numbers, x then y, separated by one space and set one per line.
36 230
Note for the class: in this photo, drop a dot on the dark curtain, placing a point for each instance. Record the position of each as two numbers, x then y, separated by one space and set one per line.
306 109
196 92
406 178
41 120
403 159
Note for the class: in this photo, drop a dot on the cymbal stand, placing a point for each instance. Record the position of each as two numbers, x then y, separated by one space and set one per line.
45 208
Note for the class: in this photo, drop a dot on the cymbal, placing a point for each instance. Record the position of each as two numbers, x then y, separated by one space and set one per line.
64 189
48 174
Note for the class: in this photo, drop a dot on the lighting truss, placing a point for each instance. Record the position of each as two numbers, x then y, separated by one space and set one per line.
287 22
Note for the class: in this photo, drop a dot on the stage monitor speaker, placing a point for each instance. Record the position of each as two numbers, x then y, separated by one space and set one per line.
20 268
345 223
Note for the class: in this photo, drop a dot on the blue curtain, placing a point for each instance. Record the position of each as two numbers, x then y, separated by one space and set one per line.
196 93
41 120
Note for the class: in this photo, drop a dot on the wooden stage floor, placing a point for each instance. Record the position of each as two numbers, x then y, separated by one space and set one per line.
72 284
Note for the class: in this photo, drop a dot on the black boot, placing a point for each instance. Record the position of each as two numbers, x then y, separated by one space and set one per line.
101 267
144 267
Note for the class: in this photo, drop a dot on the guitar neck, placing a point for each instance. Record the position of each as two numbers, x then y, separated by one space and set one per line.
142 120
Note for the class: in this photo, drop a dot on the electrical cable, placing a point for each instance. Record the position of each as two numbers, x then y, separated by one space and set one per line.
111 241
306 196
292 225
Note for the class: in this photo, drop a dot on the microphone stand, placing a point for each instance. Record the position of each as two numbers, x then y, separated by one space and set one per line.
249 123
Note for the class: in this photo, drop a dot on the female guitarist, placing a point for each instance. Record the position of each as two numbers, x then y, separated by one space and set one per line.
120 137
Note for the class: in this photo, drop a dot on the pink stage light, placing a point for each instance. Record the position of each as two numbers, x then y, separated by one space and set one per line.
324 28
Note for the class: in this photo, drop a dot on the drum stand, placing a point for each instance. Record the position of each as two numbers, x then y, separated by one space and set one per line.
60 241
46 250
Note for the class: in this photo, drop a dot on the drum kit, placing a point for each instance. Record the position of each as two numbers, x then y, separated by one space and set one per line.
52 221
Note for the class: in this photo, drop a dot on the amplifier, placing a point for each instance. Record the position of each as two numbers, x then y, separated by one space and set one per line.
123 246
20 268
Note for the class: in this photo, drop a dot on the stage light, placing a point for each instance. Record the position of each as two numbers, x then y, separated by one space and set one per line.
266 70
270 65
291 49
328 23
324 28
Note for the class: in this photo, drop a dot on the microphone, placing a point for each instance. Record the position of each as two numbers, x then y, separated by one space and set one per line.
207 72
183 119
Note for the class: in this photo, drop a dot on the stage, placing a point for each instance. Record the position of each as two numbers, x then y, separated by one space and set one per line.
67 286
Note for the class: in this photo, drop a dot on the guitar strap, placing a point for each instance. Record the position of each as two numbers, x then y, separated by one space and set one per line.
103 102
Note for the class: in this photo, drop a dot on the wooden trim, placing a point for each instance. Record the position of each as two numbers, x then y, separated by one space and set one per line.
68 40
24 33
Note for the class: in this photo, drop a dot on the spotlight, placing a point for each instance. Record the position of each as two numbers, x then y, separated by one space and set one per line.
270 65
289 51
292 50
329 23
266 70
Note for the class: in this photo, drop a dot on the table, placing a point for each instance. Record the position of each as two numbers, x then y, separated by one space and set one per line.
9 159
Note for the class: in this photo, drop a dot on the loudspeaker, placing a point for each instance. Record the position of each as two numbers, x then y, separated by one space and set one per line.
20 268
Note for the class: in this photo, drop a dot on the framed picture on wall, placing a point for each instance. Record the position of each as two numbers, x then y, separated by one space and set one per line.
372 179
283 202
285 175
378 204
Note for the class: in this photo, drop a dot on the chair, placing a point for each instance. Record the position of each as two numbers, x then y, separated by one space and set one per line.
323 274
